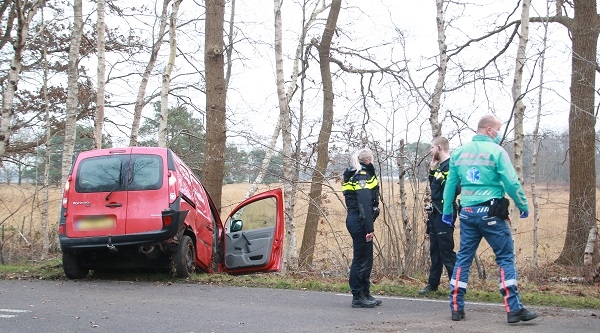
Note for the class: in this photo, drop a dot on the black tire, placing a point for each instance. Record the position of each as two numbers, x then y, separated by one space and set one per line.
72 266
184 259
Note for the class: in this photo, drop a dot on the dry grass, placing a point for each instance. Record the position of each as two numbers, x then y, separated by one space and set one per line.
21 206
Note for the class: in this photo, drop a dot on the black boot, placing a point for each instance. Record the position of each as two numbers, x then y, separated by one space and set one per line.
360 301
372 299
523 314
428 288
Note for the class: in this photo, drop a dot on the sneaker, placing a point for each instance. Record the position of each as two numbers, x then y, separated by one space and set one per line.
521 315
458 315
372 299
428 288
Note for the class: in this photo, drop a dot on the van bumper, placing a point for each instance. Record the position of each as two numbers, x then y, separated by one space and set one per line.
68 244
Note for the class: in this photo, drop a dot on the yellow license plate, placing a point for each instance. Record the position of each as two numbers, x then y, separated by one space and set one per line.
98 223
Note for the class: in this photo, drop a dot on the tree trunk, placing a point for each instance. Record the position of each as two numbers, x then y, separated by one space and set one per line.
99 119
48 146
518 105
72 90
322 145
216 136
25 13
140 101
166 78
534 154
436 128
582 199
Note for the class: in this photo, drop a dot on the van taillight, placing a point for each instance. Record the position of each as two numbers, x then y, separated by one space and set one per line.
172 187
61 229
65 198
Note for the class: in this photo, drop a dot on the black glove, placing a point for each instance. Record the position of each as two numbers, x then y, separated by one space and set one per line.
375 213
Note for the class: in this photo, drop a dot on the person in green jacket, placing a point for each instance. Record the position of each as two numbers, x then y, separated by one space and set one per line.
484 171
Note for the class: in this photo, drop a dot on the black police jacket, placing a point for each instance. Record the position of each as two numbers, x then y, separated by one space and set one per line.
361 193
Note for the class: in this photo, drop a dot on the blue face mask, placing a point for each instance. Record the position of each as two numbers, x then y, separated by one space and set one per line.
498 138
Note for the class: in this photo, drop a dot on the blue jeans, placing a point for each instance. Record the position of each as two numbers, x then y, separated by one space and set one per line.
474 224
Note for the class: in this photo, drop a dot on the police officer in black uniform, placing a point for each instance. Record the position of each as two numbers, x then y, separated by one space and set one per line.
441 235
361 193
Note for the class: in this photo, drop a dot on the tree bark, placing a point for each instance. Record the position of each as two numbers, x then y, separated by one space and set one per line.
48 146
166 78
99 119
436 128
25 11
216 136
72 90
518 105
582 198
322 145
140 102
534 154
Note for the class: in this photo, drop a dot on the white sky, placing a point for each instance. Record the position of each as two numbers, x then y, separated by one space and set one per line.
252 99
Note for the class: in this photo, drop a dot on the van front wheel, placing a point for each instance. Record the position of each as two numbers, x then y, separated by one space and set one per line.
72 266
184 258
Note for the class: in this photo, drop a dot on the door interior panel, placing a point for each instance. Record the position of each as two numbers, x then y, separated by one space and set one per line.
249 248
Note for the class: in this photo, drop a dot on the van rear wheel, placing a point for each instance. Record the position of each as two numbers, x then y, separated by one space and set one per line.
184 258
72 266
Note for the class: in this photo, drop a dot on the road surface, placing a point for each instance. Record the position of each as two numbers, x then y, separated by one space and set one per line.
118 306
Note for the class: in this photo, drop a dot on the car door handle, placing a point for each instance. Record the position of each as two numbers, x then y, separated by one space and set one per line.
236 236
114 204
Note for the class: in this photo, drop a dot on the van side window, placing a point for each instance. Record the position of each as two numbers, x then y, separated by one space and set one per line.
99 174
146 172
256 215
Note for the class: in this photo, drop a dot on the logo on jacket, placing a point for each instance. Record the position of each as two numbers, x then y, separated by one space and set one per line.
473 175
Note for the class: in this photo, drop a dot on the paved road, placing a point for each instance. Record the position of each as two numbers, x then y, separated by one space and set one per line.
115 306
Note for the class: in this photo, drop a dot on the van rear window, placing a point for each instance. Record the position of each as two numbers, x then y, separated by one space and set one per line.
119 173
100 174
147 171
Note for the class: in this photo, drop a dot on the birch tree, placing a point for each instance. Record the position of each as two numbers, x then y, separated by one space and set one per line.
46 188
322 144
24 11
141 101
72 90
536 144
216 93
99 118
518 105
436 128
166 78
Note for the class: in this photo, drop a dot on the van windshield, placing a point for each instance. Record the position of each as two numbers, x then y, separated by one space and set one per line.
118 173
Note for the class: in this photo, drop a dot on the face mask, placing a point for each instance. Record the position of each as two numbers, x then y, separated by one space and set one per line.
498 138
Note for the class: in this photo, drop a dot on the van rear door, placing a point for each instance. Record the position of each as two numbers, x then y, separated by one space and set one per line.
97 204
147 190
254 234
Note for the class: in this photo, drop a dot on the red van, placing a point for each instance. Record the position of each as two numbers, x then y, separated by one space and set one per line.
143 207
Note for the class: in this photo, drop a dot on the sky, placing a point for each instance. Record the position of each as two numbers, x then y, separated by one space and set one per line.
388 31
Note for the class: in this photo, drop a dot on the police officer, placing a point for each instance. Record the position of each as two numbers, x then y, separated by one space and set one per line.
441 235
361 193
485 172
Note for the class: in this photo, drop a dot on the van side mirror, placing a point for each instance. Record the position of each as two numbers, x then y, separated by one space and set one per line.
236 225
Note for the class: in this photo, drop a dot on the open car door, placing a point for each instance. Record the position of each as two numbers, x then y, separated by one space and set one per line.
254 234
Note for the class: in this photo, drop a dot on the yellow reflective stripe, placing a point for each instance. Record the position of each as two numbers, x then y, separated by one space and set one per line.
352 186
372 183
